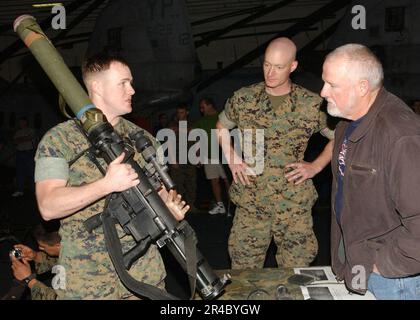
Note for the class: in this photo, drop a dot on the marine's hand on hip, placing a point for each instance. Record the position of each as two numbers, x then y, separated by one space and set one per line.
242 173
300 171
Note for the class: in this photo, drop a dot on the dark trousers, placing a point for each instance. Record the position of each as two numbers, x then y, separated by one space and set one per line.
25 167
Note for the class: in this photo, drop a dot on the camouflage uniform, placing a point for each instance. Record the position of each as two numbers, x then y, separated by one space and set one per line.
271 206
40 291
89 272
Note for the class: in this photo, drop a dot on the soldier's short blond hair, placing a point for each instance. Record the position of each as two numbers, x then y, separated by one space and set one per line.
98 63
361 62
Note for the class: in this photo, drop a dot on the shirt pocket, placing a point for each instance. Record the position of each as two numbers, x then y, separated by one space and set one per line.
363 169
362 178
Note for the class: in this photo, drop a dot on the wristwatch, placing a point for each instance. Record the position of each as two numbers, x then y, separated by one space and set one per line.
29 278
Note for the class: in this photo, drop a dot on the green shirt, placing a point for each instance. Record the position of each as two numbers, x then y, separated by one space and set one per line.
208 123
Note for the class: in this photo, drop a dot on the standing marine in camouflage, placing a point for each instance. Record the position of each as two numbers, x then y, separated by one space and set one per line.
70 187
277 202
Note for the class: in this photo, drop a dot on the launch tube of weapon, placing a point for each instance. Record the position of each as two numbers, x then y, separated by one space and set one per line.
56 69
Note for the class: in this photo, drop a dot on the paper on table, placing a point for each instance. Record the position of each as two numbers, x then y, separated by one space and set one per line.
321 274
326 287
332 292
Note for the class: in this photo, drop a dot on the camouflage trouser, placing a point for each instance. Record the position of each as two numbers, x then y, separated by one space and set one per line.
289 225
184 176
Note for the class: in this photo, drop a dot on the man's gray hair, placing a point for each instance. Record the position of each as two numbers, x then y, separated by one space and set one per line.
362 62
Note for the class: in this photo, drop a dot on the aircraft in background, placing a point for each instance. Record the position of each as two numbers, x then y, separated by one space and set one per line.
391 32
156 40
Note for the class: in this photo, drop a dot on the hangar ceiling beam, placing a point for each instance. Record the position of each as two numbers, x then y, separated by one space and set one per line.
262 12
293 30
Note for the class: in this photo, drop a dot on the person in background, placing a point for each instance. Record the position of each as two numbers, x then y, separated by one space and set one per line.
45 259
213 171
163 123
25 143
183 174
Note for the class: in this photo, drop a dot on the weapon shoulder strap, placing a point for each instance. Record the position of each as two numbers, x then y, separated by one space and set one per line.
114 248
90 151
112 240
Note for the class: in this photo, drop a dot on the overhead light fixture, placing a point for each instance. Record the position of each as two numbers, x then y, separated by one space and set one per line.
45 5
